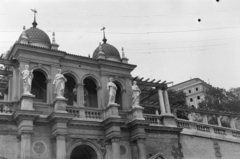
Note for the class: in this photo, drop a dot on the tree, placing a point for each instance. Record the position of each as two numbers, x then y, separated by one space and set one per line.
176 97
220 100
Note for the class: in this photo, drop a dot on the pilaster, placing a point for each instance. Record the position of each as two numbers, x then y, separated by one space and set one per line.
60 131
141 148
25 120
49 90
99 95
115 148
61 146
80 95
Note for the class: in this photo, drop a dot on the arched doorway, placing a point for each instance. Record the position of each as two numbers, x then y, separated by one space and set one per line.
83 152
39 86
90 93
70 91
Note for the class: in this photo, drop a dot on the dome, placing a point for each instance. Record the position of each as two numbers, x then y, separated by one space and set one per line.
37 37
110 52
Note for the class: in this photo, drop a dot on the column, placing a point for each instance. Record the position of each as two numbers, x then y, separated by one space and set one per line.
15 83
168 110
109 150
25 146
115 148
219 120
61 147
134 151
99 91
80 95
5 97
156 112
10 88
141 149
232 122
124 99
161 102
49 91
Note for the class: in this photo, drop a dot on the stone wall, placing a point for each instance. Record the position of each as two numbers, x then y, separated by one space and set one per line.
194 147
166 143
9 146
41 142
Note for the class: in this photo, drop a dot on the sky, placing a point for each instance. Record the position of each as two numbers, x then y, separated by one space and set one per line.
172 40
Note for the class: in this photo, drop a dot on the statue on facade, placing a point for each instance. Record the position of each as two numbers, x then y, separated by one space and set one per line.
112 90
136 94
59 82
27 76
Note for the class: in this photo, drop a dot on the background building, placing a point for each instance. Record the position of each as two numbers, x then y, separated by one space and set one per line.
194 89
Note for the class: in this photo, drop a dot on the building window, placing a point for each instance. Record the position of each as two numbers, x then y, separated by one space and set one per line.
39 86
90 93
189 91
191 99
198 97
70 92
197 89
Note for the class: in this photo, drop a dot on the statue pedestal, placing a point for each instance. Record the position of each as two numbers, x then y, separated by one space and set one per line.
27 101
136 113
168 120
112 110
60 105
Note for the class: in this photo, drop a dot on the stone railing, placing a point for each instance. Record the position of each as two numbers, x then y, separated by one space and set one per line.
6 107
85 113
208 128
153 119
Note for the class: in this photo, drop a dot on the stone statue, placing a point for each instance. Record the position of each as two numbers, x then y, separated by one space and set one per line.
59 82
136 94
27 77
112 90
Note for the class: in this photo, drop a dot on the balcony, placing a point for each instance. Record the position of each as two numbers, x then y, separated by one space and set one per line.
86 113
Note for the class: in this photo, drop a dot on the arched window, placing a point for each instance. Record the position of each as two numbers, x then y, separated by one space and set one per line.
119 95
70 91
39 86
90 93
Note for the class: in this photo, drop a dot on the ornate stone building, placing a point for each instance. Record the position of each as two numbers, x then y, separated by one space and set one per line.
84 125
91 123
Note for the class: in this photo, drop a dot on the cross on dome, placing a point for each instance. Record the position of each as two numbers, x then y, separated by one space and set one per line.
104 38
34 22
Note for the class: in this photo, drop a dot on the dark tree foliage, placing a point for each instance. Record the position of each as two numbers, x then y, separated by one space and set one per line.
176 97
220 100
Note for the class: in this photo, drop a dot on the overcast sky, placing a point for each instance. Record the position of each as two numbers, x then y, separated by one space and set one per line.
172 40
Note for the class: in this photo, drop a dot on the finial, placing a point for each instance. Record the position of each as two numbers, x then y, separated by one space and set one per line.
34 22
53 39
104 38
24 27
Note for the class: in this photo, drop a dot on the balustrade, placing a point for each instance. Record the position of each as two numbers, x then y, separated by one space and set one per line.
153 119
6 107
85 112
